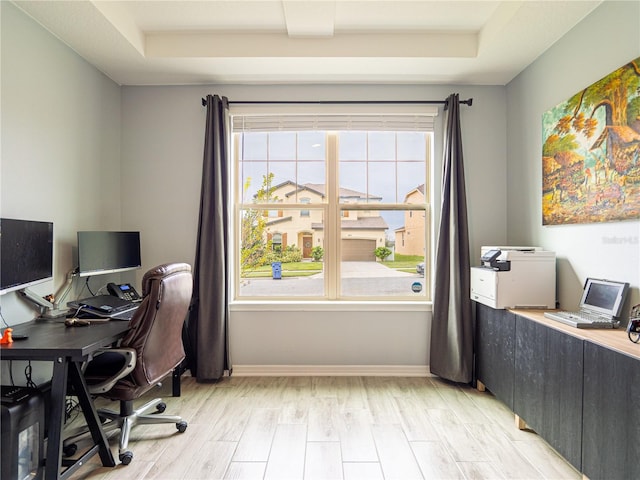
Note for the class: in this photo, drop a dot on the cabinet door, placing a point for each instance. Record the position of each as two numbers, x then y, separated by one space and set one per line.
495 340
548 386
611 432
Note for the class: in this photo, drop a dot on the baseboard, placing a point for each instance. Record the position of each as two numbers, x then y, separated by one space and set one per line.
331 371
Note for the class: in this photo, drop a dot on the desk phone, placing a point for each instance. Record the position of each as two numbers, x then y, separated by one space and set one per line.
125 291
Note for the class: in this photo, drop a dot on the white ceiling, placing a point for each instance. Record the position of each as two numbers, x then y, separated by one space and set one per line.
309 41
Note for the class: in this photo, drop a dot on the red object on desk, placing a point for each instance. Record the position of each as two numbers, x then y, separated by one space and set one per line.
6 336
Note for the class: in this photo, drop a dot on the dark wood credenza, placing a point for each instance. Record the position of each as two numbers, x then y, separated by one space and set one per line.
578 389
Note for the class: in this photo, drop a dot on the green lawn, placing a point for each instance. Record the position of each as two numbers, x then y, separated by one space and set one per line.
404 263
293 269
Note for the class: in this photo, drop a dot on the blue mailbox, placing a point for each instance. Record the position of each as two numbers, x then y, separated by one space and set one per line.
276 270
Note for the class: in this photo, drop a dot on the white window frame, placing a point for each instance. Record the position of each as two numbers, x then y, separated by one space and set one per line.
333 209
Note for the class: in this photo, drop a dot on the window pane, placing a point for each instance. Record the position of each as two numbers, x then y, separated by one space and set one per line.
352 146
353 182
382 146
381 176
382 183
311 172
363 274
278 155
288 239
412 146
252 178
311 146
282 172
254 146
411 175
282 146
305 212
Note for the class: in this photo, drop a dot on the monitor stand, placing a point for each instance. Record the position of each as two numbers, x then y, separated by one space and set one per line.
50 310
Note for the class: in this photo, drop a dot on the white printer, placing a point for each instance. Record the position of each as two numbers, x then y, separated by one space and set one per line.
515 277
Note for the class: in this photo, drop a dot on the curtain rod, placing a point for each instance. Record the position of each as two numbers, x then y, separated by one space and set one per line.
344 102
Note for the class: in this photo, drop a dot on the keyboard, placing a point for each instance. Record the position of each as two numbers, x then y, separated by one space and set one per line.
14 394
580 319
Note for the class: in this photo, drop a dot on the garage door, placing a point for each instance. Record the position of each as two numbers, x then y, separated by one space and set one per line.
358 250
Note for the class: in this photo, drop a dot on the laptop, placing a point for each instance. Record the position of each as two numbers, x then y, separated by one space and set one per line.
600 305
106 306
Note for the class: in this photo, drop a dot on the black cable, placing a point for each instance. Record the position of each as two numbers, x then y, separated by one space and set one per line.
28 370
11 372
88 287
81 309
71 409
101 289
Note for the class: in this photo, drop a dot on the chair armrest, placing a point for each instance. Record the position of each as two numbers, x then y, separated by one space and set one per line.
129 354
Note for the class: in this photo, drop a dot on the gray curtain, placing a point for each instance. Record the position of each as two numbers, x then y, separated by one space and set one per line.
206 333
452 327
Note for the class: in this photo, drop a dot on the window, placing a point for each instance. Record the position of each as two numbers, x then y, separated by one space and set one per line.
276 244
345 191
304 201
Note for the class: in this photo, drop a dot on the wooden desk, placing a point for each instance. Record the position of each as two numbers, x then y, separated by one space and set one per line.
66 348
578 388
612 338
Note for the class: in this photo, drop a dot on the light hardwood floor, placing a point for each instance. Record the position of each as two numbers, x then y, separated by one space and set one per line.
351 428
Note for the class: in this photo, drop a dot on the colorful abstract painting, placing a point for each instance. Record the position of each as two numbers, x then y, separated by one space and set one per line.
591 152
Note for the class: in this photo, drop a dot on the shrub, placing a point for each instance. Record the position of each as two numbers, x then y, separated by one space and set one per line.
382 253
289 255
317 253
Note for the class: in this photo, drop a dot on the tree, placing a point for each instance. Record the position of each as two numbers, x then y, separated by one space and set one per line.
254 245
382 253
610 93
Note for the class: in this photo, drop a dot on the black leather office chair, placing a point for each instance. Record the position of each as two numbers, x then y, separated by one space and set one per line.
147 354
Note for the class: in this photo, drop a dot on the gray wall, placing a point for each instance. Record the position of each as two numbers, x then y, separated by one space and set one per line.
162 144
60 144
603 42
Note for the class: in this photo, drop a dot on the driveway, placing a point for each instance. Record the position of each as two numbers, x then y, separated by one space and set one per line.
367 270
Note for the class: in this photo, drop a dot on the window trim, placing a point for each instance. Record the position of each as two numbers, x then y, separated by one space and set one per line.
332 242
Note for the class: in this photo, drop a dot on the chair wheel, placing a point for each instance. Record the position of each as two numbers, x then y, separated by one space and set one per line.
70 450
126 457
161 407
181 426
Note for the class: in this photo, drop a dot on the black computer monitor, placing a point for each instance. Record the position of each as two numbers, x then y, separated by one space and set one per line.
26 253
108 252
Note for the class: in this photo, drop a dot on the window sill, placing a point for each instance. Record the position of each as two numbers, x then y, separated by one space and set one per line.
329 306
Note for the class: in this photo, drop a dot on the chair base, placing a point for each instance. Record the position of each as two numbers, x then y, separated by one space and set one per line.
125 420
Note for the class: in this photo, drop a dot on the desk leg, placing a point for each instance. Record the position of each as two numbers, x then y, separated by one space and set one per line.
56 419
90 415
175 378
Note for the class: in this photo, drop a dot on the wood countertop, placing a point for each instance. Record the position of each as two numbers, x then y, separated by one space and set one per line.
615 339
